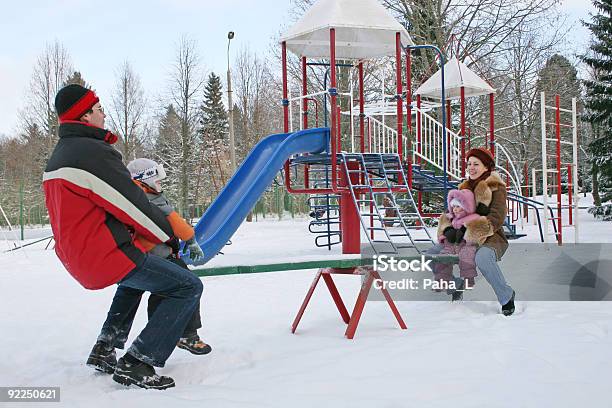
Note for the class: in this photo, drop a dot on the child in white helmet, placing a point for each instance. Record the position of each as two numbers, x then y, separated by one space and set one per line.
148 174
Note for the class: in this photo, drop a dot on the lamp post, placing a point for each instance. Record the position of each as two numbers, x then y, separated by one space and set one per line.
230 104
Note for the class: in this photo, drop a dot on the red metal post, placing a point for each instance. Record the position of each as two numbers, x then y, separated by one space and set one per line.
285 110
492 123
349 215
304 93
514 216
333 290
389 300
366 285
286 129
361 110
409 113
305 114
400 111
285 92
419 148
311 290
558 131
334 104
409 88
526 190
569 192
462 110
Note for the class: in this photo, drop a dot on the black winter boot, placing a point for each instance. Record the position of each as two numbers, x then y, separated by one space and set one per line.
102 358
508 308
457 294
130 371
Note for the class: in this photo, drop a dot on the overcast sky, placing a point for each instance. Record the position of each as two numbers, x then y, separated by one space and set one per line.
100 35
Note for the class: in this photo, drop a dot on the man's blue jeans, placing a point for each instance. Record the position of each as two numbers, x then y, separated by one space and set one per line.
181 291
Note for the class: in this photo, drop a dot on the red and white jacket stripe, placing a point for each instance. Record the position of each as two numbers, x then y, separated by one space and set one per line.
94 208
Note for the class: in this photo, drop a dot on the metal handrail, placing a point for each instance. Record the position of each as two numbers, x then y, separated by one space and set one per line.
432 146
382 135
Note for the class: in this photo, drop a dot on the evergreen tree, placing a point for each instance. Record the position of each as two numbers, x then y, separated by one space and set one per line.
167 151
559 76
214 134
599 91
214 124
76 78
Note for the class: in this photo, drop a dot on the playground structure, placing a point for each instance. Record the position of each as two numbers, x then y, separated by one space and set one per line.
432 154
379 172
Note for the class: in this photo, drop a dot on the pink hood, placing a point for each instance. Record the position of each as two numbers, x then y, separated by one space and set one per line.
466 198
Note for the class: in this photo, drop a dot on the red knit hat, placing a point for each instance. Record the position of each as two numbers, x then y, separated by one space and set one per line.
484 155
73 101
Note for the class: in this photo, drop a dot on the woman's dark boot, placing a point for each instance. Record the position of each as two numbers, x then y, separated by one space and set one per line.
508 308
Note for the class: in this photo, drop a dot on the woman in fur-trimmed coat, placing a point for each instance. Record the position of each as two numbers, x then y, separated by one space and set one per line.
490 195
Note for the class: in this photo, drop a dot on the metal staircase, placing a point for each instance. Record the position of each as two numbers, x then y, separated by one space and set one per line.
426 181
324 209
387 210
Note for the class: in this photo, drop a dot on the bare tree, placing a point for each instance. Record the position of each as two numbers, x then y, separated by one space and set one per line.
519 84
127 110
186 81
257 97
38 126
51 71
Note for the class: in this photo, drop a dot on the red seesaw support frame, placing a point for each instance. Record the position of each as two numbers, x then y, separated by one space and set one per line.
352 320
327 267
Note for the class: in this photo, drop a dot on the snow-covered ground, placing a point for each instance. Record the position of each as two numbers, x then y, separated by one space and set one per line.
452 354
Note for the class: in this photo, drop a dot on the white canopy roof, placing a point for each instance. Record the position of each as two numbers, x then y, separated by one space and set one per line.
456 75
364 29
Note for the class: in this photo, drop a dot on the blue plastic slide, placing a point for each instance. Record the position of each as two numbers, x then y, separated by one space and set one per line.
241 193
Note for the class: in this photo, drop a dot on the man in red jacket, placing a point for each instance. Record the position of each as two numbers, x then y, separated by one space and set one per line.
94 209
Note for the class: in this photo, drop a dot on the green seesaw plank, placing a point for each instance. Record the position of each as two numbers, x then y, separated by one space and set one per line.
323 263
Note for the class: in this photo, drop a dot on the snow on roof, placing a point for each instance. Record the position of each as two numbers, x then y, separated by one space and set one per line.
364 29
456 75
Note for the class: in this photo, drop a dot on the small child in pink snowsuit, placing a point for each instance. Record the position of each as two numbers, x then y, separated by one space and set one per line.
452 228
